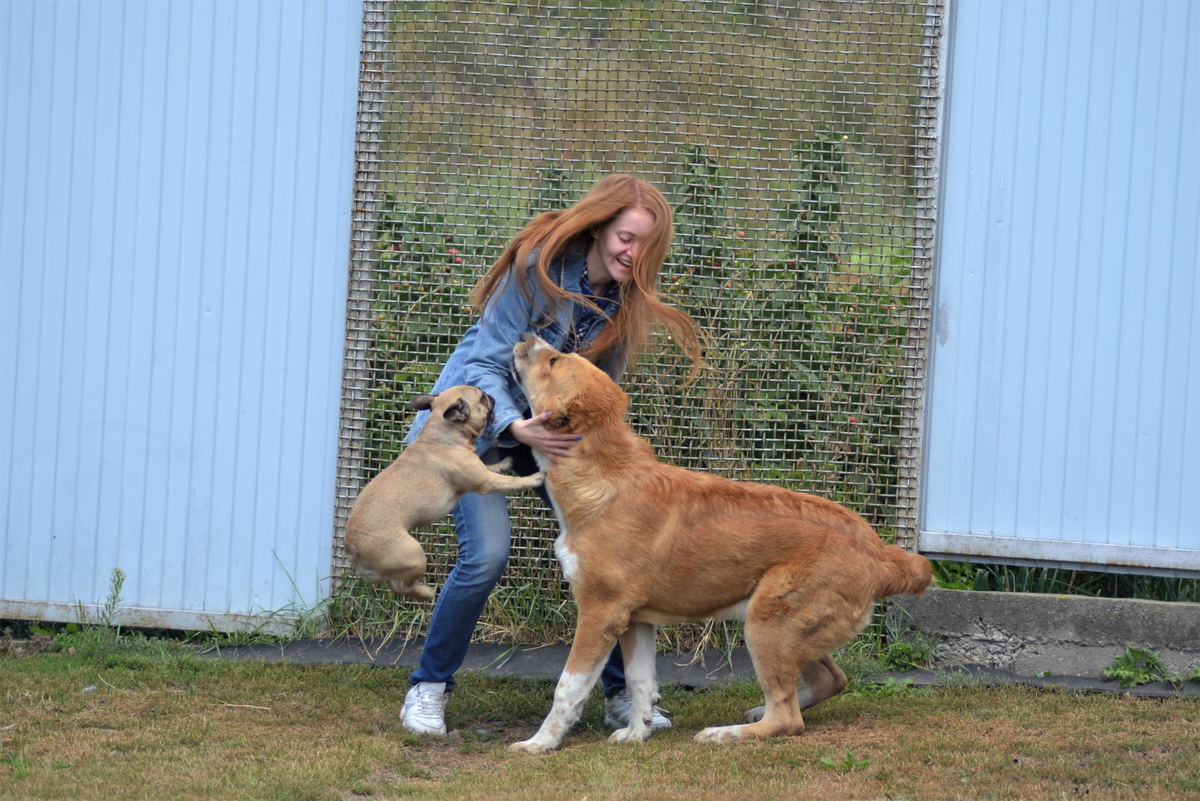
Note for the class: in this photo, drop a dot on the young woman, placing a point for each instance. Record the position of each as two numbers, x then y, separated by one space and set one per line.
583 279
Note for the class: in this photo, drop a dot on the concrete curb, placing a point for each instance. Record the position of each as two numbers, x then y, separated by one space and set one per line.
1030 634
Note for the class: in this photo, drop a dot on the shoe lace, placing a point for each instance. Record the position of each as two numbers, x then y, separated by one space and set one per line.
429 704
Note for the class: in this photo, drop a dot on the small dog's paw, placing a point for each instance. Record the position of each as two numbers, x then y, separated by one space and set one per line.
502 466
531 746
755 714
422 592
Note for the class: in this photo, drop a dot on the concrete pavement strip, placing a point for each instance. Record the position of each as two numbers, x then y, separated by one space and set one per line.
706 669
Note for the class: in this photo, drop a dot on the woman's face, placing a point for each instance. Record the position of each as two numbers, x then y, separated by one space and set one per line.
611 255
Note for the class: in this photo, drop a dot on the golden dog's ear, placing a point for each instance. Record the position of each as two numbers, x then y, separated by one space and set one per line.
422 402
458 412
559 419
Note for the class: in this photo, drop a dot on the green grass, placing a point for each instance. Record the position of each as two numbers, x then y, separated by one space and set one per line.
135 717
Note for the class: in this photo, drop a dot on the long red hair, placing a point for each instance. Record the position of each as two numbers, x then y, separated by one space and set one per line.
555 232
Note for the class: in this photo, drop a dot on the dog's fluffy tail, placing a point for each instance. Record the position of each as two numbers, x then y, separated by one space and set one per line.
910 573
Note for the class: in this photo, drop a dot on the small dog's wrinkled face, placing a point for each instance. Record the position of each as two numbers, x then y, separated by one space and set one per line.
574 391
465 406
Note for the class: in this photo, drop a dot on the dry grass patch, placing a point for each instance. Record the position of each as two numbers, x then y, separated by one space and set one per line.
139 725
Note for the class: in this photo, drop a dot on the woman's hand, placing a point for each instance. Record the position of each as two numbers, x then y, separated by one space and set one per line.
533 432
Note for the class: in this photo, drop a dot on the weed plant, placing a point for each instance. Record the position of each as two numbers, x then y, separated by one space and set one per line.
1010 578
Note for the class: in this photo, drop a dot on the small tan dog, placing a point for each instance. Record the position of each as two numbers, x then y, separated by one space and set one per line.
645 543
422 486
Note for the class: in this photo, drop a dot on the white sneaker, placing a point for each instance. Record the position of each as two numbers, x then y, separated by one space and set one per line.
424 709
617 711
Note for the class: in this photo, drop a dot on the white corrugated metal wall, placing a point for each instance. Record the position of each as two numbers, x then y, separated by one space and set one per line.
176 182
1063 407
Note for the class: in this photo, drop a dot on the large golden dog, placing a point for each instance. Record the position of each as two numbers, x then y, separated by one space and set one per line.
645 544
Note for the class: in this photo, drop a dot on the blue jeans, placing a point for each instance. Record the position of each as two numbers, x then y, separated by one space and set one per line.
481 524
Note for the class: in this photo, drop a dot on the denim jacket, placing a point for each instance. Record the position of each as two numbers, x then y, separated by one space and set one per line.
483 357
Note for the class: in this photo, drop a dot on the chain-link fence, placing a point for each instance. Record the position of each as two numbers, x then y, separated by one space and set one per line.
795 143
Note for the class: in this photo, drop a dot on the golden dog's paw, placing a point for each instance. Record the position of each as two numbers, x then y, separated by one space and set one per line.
531 746
719 734
629 735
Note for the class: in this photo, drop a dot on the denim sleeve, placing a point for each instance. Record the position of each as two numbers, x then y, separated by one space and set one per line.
507 315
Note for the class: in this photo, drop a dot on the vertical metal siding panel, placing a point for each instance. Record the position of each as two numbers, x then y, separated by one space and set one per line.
96 462
1061 385
43 252
121 491
65 298
335 180
1077 249
1015 285
203 225
289 565
20 162
175 226
76 498
288 26
227 554
189 106
1126 213
1041 424
1097 343
162 191
1153 241
252 380
1175 208
1180 495
10 279
973 317
211 516
954 366
1000 141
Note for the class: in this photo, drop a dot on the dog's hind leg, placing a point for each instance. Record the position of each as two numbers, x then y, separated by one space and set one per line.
790 625
637 646
595 635
774 653
823 679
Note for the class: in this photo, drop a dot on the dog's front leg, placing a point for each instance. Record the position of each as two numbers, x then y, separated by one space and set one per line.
594 640
641 678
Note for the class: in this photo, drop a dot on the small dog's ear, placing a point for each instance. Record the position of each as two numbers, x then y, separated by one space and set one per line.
458 412
423 402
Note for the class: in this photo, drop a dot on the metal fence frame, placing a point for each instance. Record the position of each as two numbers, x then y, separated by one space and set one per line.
370 182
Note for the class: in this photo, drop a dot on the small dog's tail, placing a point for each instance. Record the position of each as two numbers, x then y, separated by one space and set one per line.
910 573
